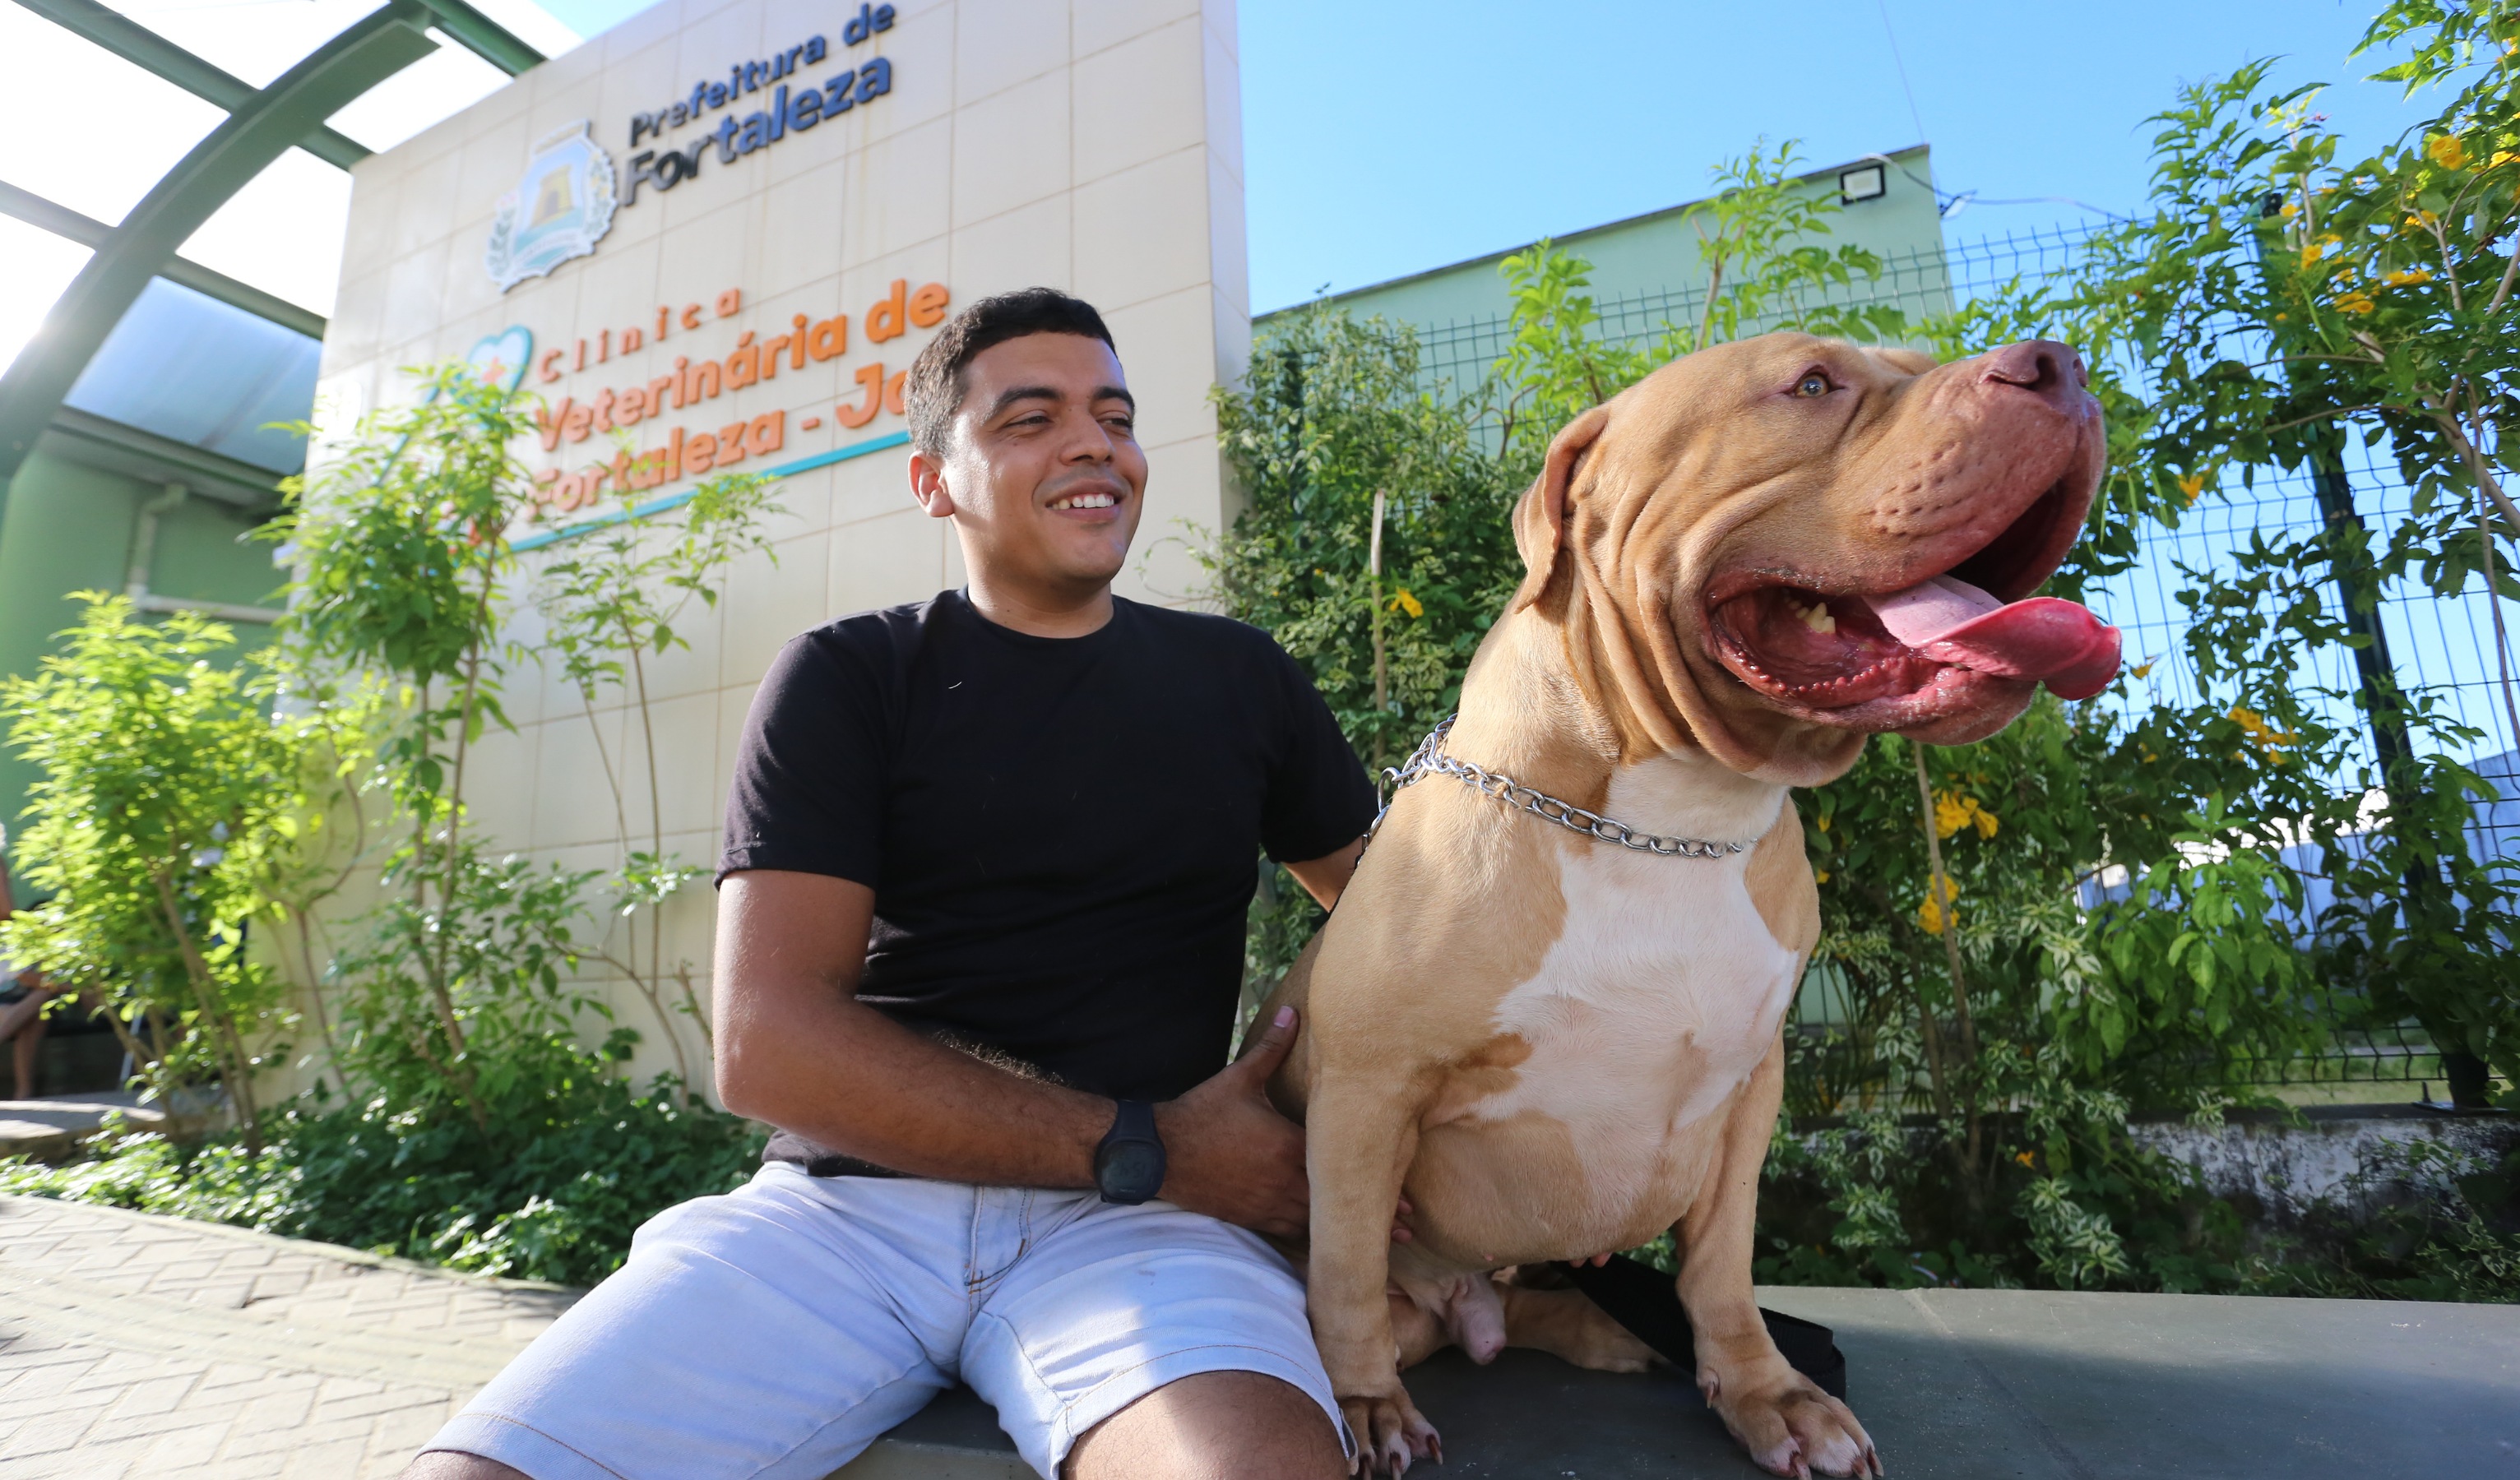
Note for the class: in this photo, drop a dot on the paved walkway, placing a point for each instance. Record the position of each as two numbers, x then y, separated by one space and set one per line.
134 1345
139 1346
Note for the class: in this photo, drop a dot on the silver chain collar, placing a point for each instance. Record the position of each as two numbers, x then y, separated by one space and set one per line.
1429 759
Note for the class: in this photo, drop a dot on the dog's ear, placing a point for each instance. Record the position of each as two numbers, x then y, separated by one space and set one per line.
1914 362
1540 520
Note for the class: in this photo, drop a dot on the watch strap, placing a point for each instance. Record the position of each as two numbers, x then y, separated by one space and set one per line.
1132 1123
1132 1120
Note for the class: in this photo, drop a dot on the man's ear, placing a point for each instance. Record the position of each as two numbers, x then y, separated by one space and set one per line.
1540 520
927 486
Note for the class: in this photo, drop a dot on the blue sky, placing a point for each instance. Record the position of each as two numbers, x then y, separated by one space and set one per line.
1390 136
1385 137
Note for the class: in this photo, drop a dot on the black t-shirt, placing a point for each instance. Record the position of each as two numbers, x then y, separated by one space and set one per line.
1061 833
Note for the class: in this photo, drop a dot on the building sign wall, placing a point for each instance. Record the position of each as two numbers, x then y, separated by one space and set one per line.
745 276
870 388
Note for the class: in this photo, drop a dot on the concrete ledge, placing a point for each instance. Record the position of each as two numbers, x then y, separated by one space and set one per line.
1980 1385
954 1438
53 1126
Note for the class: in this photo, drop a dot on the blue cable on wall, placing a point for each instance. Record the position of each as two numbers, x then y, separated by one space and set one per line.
671 501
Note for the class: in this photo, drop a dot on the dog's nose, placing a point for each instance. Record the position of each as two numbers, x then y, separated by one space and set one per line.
2048 370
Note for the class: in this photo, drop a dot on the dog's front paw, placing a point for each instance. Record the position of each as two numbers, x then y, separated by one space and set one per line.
1790 1427
1389 1433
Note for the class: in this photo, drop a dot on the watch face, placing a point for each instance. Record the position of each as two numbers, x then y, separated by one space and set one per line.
1132 1170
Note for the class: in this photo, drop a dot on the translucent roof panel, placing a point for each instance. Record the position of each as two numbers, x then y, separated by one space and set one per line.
131 126
192 369
259 40
37 266
548 33
299 260
437 86
256 40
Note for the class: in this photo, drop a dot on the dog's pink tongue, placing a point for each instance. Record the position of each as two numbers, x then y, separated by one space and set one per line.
2057 641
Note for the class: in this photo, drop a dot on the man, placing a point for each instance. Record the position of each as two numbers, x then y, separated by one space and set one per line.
979 940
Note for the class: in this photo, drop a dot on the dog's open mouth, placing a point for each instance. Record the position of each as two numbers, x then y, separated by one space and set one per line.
1833 651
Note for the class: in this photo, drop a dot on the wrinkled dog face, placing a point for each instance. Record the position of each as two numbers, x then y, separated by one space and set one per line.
1778 546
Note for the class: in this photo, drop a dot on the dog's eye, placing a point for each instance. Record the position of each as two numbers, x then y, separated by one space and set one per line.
1813 384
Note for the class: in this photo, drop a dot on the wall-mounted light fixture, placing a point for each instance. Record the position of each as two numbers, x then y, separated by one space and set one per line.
1863 183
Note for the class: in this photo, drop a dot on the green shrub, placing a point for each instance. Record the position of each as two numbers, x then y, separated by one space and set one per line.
551 1189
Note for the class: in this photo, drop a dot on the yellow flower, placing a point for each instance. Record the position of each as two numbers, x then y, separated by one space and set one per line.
2412 277
2144 668
1953 813
2423 220
1404 602
2502 156
1821 876
2192 485
2292 209
2309 254
2256 727
2024 1157
2354 302
2447 150
1823 822
1929 914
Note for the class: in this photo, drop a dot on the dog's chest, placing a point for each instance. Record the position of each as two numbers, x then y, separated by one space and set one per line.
1661 994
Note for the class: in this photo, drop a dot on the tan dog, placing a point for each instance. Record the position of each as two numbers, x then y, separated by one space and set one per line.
1554 1045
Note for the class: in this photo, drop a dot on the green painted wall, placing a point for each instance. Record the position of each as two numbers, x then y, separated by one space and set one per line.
67 527
1657 254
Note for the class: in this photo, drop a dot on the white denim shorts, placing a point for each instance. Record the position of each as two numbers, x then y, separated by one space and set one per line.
776 1331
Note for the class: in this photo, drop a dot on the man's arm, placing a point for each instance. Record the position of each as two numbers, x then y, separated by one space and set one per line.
1325 878
797 1049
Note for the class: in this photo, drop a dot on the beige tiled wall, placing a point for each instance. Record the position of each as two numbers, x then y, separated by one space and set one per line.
1090 145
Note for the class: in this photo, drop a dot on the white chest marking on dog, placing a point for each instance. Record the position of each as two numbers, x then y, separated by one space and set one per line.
1665 988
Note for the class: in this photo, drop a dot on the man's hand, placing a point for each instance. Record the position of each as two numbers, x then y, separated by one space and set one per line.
1230 1154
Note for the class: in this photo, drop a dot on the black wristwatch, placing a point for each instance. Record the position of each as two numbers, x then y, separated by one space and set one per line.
1129 1164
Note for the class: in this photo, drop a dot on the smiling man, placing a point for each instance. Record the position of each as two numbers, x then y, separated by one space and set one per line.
979 942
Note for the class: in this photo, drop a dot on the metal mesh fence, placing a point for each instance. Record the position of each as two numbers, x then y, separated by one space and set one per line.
2444 649
1829 1073
1458 353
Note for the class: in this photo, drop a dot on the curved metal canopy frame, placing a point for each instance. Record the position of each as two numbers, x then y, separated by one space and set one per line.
261 125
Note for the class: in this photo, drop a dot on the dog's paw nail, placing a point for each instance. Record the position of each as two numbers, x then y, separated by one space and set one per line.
1423 1441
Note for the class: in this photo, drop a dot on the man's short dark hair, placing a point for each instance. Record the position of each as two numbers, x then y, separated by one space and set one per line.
933 393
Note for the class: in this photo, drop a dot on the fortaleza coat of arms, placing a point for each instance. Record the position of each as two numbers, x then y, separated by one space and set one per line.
560 210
